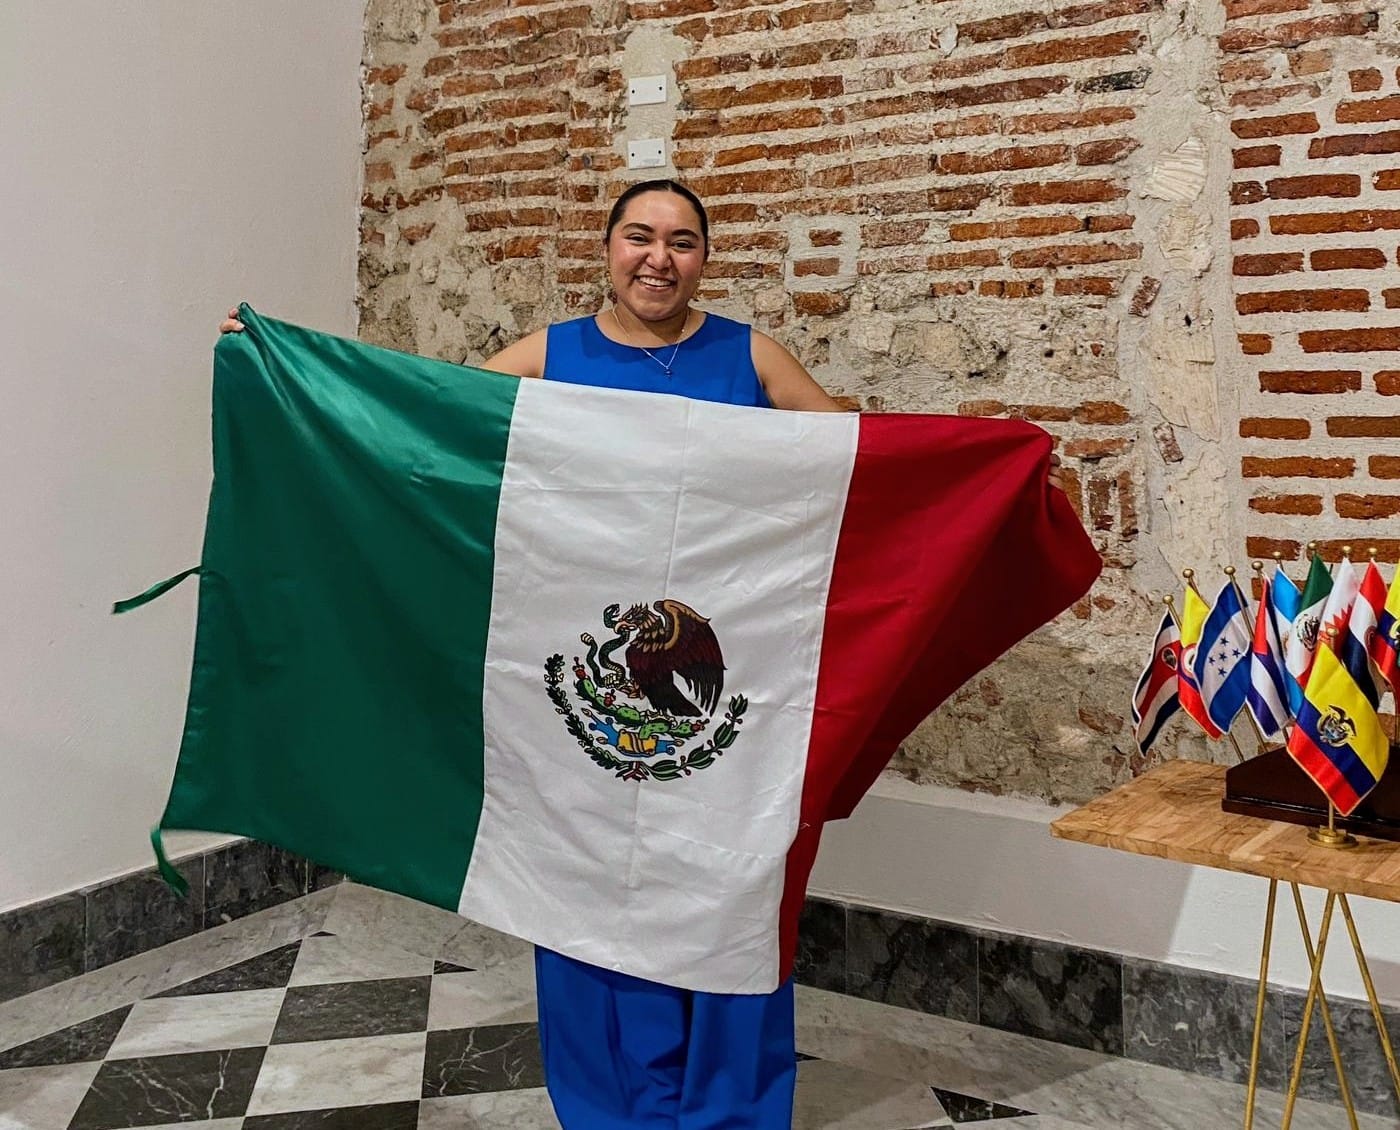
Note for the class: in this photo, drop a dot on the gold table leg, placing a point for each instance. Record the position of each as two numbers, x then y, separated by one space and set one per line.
1314 984
1371 996
1332 1043
1259 1008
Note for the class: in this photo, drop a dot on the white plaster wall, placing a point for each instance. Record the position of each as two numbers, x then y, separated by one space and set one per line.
991 863
162 159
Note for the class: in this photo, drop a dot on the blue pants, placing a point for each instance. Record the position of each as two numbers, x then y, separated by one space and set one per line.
621 1053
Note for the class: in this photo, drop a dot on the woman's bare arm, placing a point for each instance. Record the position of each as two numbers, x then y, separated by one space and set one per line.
786 382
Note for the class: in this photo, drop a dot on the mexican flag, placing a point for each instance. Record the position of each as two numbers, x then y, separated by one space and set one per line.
590 667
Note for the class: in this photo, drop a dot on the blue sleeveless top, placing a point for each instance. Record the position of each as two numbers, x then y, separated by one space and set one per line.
714 363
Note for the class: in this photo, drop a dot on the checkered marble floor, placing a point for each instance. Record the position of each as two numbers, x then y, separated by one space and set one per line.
341 1035
347 1031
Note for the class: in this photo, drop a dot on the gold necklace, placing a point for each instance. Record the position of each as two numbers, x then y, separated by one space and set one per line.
665 365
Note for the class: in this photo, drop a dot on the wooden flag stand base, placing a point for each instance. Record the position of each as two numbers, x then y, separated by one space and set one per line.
1272 786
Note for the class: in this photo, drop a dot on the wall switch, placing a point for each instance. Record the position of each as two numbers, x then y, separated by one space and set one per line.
646 153
646 91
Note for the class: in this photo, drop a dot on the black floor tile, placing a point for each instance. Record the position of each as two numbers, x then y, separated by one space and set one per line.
192 1087
79 1043
470 1061
271 970
355 1008
967 1108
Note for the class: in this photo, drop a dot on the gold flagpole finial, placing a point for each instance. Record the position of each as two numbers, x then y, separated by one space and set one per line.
1258 567
1371 553
1170 602
1230 571
1190 577
1312 549
1278 557
1346 551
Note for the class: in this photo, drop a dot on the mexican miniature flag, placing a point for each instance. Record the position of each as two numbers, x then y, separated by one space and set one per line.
590 667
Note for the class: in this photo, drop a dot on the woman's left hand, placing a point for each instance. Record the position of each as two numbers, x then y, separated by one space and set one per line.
1055 480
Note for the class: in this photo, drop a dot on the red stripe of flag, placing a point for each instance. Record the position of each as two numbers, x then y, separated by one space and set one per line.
1321 769
986 552
1383 648
1190 694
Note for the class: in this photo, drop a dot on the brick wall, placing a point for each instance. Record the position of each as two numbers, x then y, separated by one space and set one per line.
1315 222
992 208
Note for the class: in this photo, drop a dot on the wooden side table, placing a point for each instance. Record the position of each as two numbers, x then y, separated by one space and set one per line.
1174 812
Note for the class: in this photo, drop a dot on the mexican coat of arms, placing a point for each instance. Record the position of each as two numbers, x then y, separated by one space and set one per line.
639 720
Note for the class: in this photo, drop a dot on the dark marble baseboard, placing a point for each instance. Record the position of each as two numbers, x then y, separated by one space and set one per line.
47 942
1156 1013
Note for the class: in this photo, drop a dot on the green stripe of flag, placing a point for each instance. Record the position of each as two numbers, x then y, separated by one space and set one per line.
400 459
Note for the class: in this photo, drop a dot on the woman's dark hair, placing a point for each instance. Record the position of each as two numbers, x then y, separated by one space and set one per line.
620 205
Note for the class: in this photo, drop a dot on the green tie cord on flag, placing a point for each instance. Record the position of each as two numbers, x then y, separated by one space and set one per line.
177 882
153 592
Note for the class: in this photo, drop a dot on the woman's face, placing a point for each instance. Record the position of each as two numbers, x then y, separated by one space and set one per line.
655 255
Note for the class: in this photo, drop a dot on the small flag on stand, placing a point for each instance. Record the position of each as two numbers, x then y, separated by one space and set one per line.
1267 697
1287 600
1193 618
1338 740
1155 699
1385 644
1337 611
1361 628
1302 644
1223 657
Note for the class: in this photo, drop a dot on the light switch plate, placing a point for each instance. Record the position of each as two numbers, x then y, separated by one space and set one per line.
646 153
647 90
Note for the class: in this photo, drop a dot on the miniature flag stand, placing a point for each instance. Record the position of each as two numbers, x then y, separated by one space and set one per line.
1308 667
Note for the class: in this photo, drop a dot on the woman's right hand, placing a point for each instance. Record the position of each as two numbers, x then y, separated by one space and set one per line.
231 325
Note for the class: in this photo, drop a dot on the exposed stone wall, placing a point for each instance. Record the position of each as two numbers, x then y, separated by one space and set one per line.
990 208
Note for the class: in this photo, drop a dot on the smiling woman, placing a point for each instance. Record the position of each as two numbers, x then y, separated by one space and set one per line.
620 1051
656 244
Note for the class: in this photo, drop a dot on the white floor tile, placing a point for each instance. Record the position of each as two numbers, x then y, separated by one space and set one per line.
503 994
834 1096
325 961
336 1073
210 1022
507 1110
43 1098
